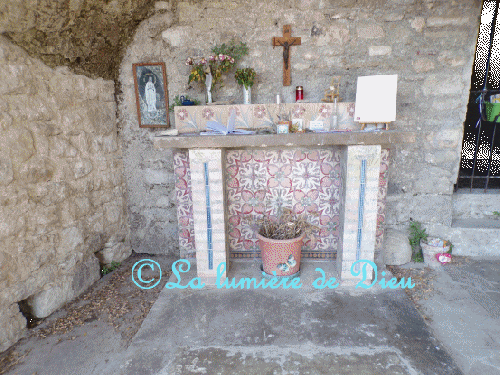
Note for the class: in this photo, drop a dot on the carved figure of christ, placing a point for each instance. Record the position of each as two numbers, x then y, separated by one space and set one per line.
286 41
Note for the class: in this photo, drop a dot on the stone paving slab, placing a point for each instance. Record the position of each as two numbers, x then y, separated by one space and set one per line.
306 331
465 314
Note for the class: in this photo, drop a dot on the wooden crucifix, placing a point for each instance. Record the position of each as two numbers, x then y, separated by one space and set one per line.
286 41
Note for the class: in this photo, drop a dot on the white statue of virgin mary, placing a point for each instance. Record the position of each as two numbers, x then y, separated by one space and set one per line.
151 95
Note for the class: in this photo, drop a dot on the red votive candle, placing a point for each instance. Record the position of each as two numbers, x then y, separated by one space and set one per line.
299 93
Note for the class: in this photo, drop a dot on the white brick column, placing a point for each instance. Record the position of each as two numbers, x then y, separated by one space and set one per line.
207 182
358 211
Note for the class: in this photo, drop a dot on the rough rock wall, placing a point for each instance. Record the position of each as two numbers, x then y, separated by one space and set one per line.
86 35
428 43
61 186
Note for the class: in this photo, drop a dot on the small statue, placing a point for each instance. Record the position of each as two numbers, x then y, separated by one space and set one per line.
334 91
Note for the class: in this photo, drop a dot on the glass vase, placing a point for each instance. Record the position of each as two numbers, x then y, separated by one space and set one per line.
247 95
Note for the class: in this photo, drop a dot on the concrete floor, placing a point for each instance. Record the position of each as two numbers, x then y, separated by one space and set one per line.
305 331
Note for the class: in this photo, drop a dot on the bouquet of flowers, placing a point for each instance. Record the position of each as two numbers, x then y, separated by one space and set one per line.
212 66
245 77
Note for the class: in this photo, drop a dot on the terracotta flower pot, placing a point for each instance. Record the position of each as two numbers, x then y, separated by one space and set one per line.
281 256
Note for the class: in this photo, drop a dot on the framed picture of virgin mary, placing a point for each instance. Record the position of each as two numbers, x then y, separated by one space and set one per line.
151 95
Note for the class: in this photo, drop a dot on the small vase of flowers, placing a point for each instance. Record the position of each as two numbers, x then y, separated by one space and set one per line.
209 70
246 78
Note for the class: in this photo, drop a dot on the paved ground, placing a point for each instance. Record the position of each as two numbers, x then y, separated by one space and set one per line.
465 311
305 331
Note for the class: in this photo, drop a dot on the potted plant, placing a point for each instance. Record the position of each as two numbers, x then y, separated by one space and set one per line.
432 247
245 77
280 240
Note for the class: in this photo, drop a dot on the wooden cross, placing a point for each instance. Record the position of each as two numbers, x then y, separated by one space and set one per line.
286 42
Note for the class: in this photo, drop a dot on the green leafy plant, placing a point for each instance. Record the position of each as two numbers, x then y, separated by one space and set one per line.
177 102
110 268
245 77
233 49
496 213
417 233
418 258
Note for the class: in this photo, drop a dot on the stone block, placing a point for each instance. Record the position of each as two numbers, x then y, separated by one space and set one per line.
423 65
451 58
442 84
447 21
189 13
397 249
418 23
13 325
163 6
475 206
379 50
70 243
391 17
426 208
114 252
158 177
177 36
112 212
370 31
6 172
82 168
83 275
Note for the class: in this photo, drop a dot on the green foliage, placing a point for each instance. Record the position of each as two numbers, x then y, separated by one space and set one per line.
245 77
417 233
451 248
110 268
418 257
496 213
177 102
233 49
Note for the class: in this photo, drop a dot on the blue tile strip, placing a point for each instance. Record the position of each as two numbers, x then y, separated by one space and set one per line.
209 221
361 208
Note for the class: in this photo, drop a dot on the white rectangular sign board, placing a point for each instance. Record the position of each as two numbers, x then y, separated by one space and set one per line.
376 99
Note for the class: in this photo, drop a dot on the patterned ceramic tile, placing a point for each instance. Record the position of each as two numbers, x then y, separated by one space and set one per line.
303 179
264 181
190 119
382 194
184 204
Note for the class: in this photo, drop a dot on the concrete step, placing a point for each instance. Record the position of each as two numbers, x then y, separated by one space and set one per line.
476 205
470 237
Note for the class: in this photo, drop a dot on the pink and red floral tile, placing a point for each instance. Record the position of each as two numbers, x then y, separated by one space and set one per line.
189 119
184 204
260 182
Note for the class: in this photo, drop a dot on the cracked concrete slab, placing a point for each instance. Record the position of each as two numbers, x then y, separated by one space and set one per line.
304 331
465 314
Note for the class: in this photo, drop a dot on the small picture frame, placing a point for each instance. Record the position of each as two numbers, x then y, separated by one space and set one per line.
283 127
151 95
297 125
316 125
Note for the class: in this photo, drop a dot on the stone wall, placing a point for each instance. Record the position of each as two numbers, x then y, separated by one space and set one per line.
428 43
61 186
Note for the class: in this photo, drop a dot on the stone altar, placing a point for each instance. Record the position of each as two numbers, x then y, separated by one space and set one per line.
344 177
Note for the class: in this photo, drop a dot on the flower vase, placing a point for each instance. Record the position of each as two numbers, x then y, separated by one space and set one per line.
209 95
247 95
208 85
